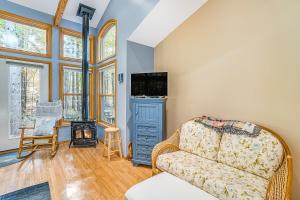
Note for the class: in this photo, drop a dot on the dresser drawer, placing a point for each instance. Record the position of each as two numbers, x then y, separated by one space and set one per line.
146 140
143 156
146 129
145 149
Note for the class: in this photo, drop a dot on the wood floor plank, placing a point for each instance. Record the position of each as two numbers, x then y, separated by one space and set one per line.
77 174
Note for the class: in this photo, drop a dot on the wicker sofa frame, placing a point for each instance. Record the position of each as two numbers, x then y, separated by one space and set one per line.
280 185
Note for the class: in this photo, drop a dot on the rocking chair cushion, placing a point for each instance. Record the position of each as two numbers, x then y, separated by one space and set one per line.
44 126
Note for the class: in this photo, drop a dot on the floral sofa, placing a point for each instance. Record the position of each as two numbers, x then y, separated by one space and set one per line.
227 165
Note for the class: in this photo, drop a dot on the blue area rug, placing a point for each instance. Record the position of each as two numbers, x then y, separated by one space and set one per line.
9 159
36 192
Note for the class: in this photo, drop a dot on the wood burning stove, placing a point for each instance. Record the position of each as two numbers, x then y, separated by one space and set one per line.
84 132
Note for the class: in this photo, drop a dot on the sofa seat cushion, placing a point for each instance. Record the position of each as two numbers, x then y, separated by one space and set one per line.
183 164
261 155
219 180
225 182
200 140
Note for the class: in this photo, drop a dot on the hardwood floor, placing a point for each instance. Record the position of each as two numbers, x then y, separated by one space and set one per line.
77 174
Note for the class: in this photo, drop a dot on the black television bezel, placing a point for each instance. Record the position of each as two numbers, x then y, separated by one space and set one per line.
147 94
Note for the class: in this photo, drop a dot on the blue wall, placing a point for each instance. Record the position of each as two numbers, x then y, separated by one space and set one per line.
129 15
36 15
140 59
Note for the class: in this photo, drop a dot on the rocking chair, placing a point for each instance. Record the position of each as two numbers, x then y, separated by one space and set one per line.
43 133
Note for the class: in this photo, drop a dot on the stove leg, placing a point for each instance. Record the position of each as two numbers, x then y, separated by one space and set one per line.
70 144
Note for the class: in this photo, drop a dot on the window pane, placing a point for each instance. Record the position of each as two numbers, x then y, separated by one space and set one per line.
107 77
73 47
109 43
72 89
107 109
22 37
72 81
24 93
72 107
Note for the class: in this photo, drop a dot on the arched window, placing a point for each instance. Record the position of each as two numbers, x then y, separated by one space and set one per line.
107 40
106 74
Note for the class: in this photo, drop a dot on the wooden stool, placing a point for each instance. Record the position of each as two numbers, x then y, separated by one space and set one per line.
112 142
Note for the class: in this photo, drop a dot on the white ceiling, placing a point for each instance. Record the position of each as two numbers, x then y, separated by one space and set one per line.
49 7
72 6
165 17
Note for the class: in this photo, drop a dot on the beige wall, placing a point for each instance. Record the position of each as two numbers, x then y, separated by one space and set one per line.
237 59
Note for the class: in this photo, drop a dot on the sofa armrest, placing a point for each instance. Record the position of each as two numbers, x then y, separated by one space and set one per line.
281 183
167 146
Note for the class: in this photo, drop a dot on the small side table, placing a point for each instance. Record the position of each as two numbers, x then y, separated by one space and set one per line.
112 142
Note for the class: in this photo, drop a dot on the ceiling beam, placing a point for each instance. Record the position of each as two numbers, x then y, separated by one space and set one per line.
59 12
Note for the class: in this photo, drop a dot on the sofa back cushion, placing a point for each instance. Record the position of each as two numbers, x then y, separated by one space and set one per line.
197 139
260 155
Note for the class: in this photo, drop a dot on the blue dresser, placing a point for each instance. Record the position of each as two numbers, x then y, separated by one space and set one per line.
148 127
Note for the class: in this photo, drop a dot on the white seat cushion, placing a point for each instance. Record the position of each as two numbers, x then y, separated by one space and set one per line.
165 186
198 139
218 179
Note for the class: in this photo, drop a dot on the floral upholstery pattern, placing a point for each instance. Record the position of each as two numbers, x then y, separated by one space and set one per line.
183 164
261 155
220 180
225 182
200 140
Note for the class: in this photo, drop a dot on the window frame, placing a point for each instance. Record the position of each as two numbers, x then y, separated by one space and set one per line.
62 93
98 79
65 31
100 36
29 22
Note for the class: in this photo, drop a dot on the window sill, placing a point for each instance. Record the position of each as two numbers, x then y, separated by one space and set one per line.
13 137
105 125
106 60
73 60
24 52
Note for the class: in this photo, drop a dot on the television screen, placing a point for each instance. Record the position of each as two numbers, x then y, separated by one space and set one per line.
149 84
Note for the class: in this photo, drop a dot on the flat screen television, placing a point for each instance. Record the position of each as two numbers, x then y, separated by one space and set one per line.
149 84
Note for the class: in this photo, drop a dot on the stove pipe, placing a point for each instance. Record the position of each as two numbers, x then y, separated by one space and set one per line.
86 13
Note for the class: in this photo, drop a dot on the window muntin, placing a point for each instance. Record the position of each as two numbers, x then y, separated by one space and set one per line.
71 92
107 94
25 36
107 40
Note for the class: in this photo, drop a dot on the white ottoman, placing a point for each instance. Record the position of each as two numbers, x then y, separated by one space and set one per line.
165 186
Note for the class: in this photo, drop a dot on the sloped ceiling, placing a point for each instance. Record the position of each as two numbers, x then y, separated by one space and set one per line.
166 16
49 7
